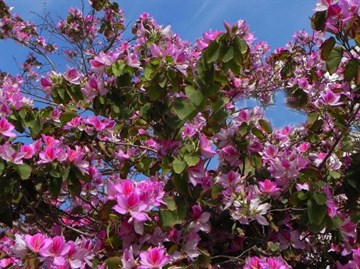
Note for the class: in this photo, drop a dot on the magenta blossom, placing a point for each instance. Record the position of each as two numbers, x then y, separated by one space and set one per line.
37 242
154 258
6 128
268 187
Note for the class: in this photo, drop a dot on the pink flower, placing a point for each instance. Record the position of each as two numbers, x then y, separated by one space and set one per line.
154 258
330 98
28 150
46 85
205 147
77 157
201 220
36 242
230 154
96 123
6 128
197 173
189 131
94 87
101 61
230 180
244 116
323 5
75 255
128 261
52 153
7 262
304 147
190 247
252 263
57 249
348 231
9 154
269 187
133 205
72 76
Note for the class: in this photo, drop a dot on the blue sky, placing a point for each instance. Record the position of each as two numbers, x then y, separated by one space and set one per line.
273 21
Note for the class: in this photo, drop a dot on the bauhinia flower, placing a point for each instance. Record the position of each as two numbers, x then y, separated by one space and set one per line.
154 258
6 128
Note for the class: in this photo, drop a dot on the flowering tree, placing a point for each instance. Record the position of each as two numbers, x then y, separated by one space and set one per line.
138 155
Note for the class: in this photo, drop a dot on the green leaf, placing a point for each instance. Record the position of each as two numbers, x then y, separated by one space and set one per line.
255 161
67 116
327 47
194 95
183 109
24 170
229 55
215 192
74 186
55 184
2 167
265 125
191 160
217 104
6 215
117 68
145 111
113 263
335 174
288 69
212 52
333 61
312 117
320 198
221 77
155 93
170 202
316 213
241 45
55 173
148 72
318 21
303 195
180 182
351 70
259 134
178 166
169 218
273 246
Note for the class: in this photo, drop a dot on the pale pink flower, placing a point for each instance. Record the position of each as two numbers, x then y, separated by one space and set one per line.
7 153
201 220
72 76
36 242
197 173
205 147
128 261
190 247
330 98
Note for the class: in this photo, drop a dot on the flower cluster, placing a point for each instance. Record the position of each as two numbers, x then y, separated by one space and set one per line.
139 153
